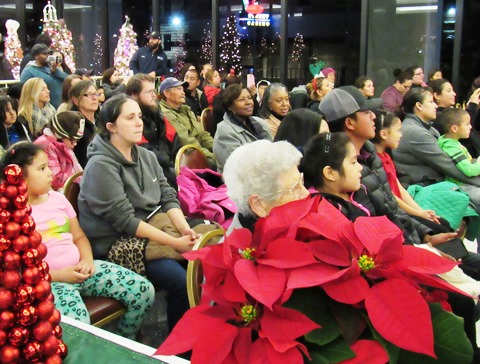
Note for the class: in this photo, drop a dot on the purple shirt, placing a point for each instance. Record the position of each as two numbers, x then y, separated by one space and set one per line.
391 98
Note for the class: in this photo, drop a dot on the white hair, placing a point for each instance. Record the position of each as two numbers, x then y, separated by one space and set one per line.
255 169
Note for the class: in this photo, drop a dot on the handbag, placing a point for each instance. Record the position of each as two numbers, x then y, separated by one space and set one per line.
162 222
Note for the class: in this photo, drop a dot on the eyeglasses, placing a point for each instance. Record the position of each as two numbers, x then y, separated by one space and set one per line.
92 95
418 74
295 190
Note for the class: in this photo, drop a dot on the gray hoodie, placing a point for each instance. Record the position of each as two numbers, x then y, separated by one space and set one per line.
116 194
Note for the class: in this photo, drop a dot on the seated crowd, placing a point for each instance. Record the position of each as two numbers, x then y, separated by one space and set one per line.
360 153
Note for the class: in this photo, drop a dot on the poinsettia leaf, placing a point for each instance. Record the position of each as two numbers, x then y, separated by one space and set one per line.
317 358
380 236
226 291
265 284
207 347
367 351
263 352
330 252
347 289
315 226
396 319
242 346
336 351
436 282
313 303
239 239
451 342
351 321
283 220
423 261
313 275
287 253
285 324
197 254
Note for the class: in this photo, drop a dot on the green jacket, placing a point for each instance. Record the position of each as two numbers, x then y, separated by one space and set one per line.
189 130
460 156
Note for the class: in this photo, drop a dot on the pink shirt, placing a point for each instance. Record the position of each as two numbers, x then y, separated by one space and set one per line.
53 221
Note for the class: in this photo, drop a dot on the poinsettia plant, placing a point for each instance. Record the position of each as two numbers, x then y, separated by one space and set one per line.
311 286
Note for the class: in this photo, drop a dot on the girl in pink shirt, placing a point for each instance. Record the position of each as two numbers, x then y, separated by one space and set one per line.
72 268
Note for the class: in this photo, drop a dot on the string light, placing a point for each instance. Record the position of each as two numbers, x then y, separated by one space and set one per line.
230 46
206 52
126 48
298 47
98 52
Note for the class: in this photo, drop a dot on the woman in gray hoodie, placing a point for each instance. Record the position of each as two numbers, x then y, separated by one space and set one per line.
122 187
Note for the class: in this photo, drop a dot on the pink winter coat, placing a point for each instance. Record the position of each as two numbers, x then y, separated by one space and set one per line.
61 161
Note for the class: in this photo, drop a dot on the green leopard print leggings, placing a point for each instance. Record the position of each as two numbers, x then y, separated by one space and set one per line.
109 280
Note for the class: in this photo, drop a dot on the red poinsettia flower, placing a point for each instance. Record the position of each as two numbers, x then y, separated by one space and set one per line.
260 269
369 264
224 334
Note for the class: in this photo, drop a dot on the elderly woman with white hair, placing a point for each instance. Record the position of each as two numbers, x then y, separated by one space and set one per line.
260 176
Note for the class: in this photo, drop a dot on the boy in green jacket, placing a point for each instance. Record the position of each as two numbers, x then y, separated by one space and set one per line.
456 123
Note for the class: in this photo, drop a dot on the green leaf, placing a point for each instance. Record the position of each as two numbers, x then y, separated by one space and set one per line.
313 302
334 352
350 320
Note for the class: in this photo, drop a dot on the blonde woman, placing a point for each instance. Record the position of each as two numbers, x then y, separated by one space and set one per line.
34 108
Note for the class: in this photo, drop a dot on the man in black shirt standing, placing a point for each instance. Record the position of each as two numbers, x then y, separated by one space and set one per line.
195 98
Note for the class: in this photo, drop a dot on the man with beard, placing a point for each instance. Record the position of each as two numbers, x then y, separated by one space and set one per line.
151 59
47 71
159 135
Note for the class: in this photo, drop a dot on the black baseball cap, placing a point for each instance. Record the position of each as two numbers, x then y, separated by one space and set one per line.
155 35
346 100
40 48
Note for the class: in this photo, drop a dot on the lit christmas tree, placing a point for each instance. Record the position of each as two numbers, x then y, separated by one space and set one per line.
298 47
207 45
60 35
126 48
13 47
98 53
229 46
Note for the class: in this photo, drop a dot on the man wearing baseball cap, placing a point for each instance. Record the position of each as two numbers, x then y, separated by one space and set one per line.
46 70
150 59
347 110
181 116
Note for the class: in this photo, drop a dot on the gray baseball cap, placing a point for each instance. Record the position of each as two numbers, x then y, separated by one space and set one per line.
346 100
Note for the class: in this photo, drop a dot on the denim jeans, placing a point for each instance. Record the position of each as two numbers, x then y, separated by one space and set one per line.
170 275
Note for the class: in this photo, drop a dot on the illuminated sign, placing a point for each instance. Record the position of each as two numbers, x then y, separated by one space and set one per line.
256 20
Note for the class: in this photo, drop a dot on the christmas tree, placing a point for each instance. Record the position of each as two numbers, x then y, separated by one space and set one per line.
60 35
207 45
13 47
229 46
126 48
298 47
29 323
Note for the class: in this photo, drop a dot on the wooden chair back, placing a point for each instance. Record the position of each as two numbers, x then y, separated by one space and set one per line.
194 268
207 120
192 157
